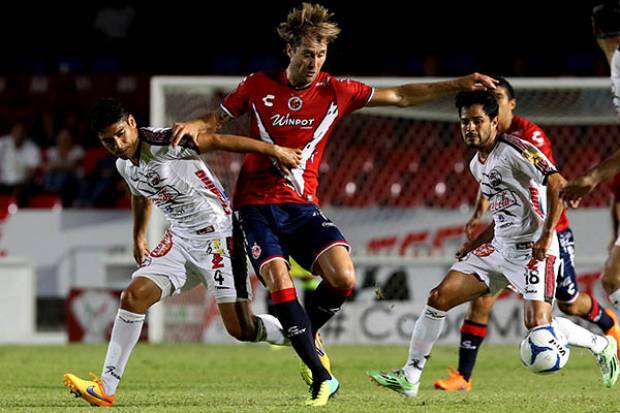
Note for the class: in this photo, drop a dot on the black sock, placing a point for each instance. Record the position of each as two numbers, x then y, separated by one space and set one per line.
472 335
598 316
297 328
326 302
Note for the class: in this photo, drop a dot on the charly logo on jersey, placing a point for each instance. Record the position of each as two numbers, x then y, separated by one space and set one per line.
288 120
495 178
295 103
268 100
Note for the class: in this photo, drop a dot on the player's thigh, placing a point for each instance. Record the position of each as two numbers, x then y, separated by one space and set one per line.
165 266
210 261
268 254
336 267
611 273
313 235
567 290
535 280
456 288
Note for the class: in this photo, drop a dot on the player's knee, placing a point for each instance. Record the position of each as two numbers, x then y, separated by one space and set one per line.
136 299
345 279
534 320
568 308
239 333
438 299
610 279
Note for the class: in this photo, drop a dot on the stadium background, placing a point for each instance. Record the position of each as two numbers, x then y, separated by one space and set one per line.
397 184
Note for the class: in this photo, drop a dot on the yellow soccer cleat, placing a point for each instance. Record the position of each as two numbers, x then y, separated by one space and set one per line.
319 395
89 390
306 373
455 381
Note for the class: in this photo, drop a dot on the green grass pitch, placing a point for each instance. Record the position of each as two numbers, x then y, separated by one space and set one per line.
191 378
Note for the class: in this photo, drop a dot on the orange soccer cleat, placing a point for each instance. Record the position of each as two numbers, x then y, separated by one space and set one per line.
614 331
454 382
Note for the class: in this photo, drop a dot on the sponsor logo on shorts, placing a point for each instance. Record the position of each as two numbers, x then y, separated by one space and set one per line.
164 246
328 224
256 251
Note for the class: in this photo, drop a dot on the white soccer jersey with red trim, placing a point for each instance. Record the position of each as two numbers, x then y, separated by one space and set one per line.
513 178
297 118
179 183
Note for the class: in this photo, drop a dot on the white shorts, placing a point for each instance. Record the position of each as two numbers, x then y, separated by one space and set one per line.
617 243
179 264
534 280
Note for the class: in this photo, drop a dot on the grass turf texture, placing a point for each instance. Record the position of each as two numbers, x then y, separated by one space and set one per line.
191 378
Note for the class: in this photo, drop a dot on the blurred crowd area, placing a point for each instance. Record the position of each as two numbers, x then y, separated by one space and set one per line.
49 157
48 154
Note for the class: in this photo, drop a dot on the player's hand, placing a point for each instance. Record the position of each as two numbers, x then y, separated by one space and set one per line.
140 250
574 191
182 129
540 247
476 81
287 159
470 228
464 250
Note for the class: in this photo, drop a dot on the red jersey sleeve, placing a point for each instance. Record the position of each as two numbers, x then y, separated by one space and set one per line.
236 104
538 138
352 94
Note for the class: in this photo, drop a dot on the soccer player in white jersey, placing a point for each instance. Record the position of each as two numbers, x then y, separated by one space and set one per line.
198 246
520 247
606 25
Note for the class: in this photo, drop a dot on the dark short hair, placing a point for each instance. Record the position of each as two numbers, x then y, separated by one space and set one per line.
106 112
502 82
486 98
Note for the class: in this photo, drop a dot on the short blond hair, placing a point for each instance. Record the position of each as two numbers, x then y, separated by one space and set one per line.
308 21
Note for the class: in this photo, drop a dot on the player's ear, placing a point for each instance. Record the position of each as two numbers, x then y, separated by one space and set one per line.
131 121
513 104
290 50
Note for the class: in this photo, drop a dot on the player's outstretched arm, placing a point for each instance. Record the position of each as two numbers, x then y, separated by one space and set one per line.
413 94
287 158
141 211
211 122
575 190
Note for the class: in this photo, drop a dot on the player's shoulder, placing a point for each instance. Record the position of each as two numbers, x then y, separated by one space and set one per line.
155 136
121 164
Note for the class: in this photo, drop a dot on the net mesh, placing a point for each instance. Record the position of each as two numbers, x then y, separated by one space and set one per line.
382 162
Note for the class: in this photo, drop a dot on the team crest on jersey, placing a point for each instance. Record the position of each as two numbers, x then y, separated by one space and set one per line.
502 200
295 103
153 178
495 178
256 251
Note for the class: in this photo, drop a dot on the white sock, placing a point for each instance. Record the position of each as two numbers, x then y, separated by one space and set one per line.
425 333
579 336
615 299
125 334
273 330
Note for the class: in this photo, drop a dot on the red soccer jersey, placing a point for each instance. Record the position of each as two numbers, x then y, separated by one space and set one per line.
297 118
529 131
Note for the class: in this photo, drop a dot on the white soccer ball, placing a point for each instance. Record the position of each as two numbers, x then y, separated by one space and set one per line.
544 350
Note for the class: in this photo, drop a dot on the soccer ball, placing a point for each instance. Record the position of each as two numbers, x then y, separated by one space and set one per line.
544 350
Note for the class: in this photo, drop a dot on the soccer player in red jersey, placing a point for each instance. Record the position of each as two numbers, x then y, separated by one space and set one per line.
570 300
299 107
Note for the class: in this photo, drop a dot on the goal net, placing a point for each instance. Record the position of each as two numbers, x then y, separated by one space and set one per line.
396 180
